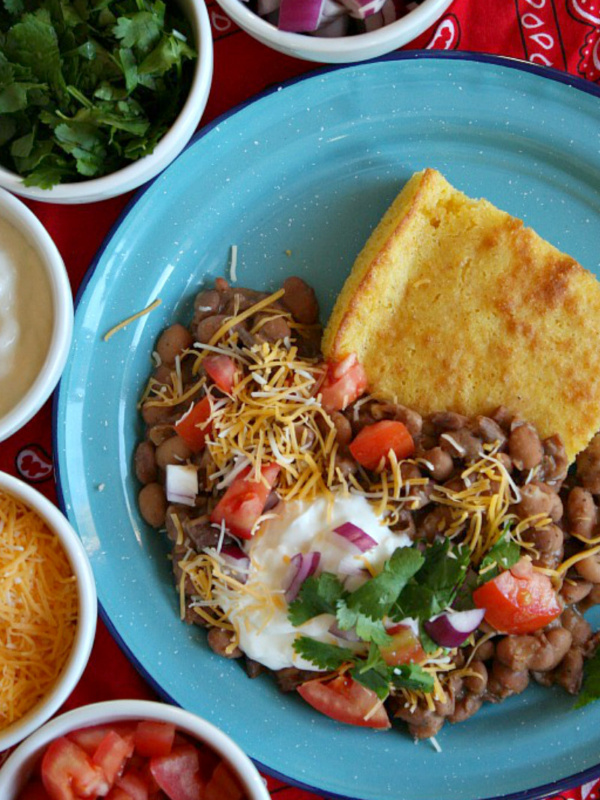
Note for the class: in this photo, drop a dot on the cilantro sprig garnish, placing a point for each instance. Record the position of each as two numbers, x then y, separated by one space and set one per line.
86 87
503 555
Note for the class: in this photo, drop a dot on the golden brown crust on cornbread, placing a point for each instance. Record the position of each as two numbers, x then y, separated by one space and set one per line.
454 305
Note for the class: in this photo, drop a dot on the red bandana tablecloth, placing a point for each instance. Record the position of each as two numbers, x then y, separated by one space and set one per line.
564 34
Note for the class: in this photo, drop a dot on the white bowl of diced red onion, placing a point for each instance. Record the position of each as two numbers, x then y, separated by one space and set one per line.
334 31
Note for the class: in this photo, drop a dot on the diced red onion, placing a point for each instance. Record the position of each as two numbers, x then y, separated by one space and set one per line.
347 636
390 12
300 17
333 27
265 7
302 567
361 9
237 560
356 536
182 484
451 629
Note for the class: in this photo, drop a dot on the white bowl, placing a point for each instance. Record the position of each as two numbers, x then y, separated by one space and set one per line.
19 765
25 221
342 49
87 608
167 149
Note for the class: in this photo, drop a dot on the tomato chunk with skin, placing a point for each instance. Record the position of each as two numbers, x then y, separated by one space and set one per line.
345 700
221 370
345 381
112 754
194 427
372 445
89 738
34 791
153 738
68 772
178 773
134 784
405 647
244 501
515 604
223 785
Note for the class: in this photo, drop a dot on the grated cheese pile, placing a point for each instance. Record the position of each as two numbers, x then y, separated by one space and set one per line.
38 609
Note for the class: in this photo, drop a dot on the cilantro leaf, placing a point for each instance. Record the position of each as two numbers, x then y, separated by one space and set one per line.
412 676
323 655
503 555
14 6
591 682
141 30
317 595
33 43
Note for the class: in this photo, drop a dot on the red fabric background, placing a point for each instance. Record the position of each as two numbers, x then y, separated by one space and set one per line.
564 34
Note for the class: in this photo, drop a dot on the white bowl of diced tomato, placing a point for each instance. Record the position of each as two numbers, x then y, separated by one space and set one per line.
130 750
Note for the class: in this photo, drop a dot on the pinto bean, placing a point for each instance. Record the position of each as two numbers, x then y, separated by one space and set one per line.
579 628
569 673
435 523
172 451
592 599
422 722
345 463
412 419
477 684
301 300
465 707
289 678
343 428
172 342
488 430
406 524
549 544
588 466
145 462
156 415
537 498
504 681
207 327
448 421
461 443
555 462
206 304
582 512
589 568
441 463
273 330
575 591
152 502
525 447
219 640
158 433
504 417
486 651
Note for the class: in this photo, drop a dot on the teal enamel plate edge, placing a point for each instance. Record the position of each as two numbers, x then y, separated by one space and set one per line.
310 168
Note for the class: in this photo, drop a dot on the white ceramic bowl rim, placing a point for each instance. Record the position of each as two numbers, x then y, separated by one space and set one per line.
87 610
168 147
16 767
17 214
410 26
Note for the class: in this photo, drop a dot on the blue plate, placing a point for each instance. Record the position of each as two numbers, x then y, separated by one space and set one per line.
310 168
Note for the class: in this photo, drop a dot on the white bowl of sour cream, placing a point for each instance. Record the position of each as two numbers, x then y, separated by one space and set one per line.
36 315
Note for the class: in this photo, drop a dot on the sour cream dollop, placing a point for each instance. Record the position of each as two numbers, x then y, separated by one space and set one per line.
265 633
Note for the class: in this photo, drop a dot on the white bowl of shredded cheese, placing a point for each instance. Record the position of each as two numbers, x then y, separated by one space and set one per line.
48 609
36 315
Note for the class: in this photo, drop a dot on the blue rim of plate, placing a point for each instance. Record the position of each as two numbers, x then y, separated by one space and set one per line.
537 793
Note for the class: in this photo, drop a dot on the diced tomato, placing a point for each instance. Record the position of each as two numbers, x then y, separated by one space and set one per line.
89 738
405 647
223 785
193 427
221 369
345 381
116 793
374 443
244 501
134 784
345 700
112 753
68 772
178 773
208 761
34 790
515 604
153 738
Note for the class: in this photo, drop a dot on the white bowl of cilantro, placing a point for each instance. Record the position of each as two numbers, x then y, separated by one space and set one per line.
334 31
98 99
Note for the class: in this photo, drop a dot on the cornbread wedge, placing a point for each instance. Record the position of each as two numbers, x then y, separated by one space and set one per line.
454 305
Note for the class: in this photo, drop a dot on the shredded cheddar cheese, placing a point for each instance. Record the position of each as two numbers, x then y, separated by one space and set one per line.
38 609
132 318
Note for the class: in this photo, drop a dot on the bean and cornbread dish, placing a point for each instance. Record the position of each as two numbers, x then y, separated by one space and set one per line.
386 557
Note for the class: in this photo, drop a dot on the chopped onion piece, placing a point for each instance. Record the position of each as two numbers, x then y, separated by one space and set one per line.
356 536
351 565
300 17
182 484
302 567
360 9
237 561
451 629
347 636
